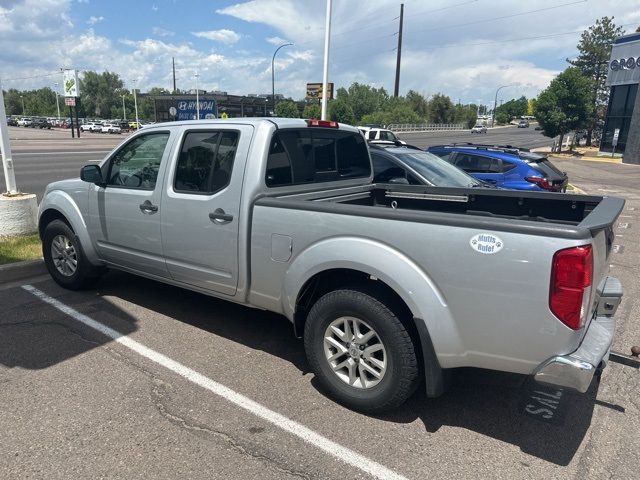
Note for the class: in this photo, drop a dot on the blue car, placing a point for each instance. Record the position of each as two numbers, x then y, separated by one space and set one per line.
504 166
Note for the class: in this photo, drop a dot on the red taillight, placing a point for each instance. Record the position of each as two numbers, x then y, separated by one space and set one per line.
322 123
541 182
570 291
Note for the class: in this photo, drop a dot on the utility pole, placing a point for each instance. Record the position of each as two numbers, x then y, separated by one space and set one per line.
5 149
325 73
135 103
173 62
197 98
396 89
273 75
124 110
57 102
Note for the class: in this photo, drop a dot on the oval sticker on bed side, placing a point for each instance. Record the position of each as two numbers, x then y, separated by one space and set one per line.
486 243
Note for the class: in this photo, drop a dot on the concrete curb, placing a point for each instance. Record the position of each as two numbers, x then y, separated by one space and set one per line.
12 272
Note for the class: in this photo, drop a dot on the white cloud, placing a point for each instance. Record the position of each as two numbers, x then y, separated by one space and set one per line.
162 32
224 35
93 20
276 40
440 54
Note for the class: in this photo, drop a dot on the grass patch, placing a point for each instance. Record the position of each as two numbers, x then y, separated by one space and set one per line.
17 249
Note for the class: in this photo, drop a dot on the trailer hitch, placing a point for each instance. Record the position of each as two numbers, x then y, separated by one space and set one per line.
632 360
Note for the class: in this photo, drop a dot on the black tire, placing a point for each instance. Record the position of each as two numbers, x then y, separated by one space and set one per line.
85 274
400 378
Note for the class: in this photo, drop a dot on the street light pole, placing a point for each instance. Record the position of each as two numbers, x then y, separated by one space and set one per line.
5 149
495 103
135 103
325 72
197 97
124 111
57 102
273 75
23 110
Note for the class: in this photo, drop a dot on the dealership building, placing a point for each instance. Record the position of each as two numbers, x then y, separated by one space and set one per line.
621 133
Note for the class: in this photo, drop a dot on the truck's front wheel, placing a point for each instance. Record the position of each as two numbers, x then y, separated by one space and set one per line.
360 351
65 259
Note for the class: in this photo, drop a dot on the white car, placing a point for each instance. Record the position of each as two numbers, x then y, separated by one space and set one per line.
479 129
91 127
25 122
110 128
374 134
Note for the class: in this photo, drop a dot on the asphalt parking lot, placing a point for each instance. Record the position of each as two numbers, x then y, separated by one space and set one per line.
136 379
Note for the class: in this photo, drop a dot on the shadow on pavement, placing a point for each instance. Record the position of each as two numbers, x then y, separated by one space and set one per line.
488 403
34 335
253 328
544 422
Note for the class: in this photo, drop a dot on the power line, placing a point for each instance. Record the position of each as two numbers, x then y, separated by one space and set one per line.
502 17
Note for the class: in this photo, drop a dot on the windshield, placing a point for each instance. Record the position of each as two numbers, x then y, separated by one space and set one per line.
437 171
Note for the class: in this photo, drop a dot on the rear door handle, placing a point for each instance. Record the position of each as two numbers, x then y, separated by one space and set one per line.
219 216
148 207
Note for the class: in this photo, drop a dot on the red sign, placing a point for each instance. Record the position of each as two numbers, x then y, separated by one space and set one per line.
70 101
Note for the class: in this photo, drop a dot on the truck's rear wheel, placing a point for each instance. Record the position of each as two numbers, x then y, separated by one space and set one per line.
65 259
360 351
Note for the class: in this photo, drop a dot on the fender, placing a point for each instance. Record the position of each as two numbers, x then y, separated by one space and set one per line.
63 203
387 264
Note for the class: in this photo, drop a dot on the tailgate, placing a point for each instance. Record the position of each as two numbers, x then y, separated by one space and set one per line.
601 223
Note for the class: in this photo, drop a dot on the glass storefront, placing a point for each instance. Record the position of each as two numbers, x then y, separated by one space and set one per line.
619 112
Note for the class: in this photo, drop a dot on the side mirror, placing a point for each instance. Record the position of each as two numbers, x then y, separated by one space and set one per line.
399 180
92 174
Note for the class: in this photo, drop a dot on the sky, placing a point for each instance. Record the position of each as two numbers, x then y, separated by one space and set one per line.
462 48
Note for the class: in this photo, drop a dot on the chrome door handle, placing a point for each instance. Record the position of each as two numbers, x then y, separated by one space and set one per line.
148 207
219 216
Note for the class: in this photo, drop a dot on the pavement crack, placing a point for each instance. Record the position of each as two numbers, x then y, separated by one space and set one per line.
160 395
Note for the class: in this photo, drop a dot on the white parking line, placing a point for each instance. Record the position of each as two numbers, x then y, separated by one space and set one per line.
334 449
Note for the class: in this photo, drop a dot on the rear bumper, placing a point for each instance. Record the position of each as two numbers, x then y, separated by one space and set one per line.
576 369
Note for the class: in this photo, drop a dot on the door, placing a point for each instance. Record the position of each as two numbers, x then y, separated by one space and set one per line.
483 168
124 217
201 207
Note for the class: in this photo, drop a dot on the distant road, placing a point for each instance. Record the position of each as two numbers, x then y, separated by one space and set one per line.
44 156
522 137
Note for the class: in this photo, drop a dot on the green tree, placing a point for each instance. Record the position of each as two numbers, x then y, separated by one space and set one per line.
531 107
566 104
312 111
417 103
514 108
287 109
98 93
594 50
341 111
441 109
363 99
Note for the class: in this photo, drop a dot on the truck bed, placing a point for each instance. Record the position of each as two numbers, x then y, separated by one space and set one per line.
542 213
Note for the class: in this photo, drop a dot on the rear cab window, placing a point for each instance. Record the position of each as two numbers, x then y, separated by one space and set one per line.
315 155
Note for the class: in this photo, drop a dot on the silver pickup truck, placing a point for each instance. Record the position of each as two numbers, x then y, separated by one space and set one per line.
389 285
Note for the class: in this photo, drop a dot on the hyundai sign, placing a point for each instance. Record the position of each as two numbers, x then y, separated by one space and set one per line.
624 64
187 109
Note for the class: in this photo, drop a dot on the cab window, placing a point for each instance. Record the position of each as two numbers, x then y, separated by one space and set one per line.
136 164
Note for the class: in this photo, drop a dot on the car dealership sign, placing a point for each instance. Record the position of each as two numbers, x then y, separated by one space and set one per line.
624 64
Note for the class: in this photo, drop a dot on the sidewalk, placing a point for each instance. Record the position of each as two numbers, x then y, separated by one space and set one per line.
589 154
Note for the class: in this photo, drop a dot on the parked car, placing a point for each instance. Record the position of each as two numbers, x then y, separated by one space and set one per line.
25 122
124 126
523 124
12 122
110 128
479 129
135 125
410 165
505 166
283 216
40 123
374 134
91 127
